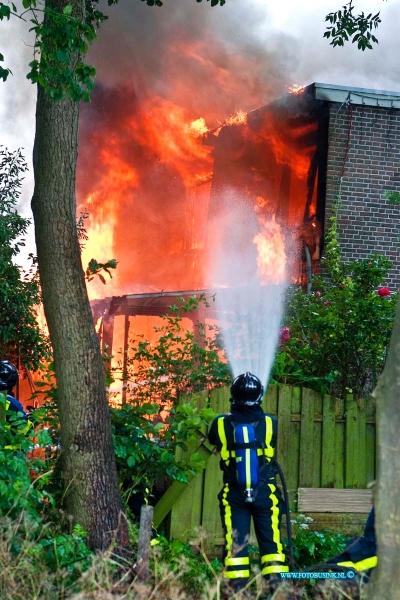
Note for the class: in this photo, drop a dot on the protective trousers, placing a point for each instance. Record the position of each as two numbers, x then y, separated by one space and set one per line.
236 516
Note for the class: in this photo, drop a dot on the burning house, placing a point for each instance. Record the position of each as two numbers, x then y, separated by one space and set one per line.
266 181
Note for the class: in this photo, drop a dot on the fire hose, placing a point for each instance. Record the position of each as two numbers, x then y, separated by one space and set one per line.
292 565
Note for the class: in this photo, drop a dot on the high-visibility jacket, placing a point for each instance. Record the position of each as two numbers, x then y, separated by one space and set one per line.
222 436
15 405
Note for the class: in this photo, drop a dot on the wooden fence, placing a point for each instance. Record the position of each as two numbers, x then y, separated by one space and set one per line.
322 442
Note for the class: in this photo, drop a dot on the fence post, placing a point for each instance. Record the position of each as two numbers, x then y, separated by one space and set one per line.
146 520
351 441
328 442
307 438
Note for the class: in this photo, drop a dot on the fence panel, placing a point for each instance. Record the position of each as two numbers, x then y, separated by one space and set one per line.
186 514
211 521
322 442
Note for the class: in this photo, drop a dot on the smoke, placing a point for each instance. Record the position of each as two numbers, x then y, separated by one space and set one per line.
215 61
319 61
158 70
192 61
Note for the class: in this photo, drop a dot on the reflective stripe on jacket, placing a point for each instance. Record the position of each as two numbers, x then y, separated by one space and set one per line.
227 452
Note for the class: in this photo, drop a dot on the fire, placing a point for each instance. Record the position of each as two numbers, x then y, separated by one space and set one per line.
296 89
145 195
261 203
271 257
240 118
198 127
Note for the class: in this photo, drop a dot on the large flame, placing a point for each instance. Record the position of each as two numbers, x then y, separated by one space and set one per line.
146 197
147 174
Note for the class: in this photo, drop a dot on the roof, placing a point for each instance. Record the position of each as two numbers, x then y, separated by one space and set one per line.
363 96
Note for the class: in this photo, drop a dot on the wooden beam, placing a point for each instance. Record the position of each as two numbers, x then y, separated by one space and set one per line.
175 490
125 358
334 500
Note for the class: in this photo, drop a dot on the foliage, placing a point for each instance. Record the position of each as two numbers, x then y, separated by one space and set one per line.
150 427
59 550
61 40
145 448
19 291
18 491
345 25
95 268
193 571
392 197
179 361
339 334
314 547
26 504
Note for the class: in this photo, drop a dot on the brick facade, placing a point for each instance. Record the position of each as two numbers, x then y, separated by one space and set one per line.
370 165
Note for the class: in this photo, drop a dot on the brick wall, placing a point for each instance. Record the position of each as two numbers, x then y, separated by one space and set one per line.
367 223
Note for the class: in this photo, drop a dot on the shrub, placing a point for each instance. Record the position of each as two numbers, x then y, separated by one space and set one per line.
339 334
314 547
19 290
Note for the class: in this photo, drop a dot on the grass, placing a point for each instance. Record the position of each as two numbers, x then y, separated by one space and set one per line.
175 573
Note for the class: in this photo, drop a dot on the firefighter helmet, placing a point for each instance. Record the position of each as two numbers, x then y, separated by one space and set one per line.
8 375
246 390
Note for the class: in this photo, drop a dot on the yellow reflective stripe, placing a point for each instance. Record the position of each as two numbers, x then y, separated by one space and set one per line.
269 451
237 561
275 519
361 565
222 437
271 557
275 569
268 430
247 459
228 522
236 574
26 427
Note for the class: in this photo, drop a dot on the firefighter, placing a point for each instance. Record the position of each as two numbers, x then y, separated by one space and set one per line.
262 502
8 380
360 552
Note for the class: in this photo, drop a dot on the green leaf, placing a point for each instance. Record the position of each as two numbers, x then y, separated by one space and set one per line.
62 56
67 9
4 73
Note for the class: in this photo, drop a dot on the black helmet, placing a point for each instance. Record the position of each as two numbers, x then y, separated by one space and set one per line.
8 375
246 390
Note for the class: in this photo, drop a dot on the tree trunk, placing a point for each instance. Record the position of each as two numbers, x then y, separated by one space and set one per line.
385 582
89 470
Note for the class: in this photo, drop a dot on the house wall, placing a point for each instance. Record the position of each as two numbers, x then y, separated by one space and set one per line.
364 147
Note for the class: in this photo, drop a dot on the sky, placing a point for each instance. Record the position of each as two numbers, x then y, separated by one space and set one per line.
288 30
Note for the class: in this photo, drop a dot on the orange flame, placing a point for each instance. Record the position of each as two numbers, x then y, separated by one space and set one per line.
271 258
296 89
146 197
240 118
